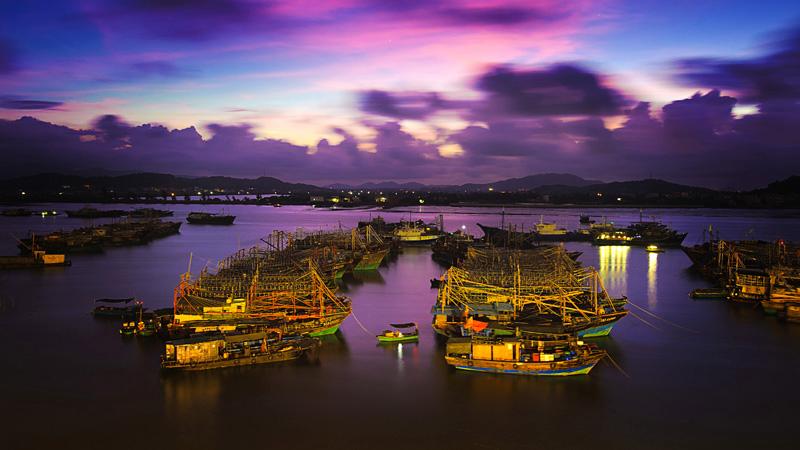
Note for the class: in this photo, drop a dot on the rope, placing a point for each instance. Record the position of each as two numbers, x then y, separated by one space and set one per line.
644 321
352 313
617 366
648 312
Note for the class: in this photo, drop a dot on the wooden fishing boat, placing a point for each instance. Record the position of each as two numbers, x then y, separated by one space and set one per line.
397 335
709 293
94 213
203 218
543 356
371 259
106 310
221 350
413 234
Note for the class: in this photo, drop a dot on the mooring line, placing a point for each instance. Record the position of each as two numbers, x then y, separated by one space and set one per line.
644 321
614 363
360 324
650 313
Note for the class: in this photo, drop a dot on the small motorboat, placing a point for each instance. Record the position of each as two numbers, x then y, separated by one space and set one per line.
652 248
398 335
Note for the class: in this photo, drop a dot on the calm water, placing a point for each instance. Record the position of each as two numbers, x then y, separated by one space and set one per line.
704 374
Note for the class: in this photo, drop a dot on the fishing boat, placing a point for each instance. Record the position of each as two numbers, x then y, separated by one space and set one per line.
397 335
538 356
750 285
231 350
371 259
107 308
652 248
149 213
511 236
203 218
413 234
142 324
94 239
708 293
37 259
94 213
16 212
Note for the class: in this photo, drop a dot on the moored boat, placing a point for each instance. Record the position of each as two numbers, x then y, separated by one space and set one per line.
708 293
221 350
398 335
543 356
106 308
94 213
204 218
412 234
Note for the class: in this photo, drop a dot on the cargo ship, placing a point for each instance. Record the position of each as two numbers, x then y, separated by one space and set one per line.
543 356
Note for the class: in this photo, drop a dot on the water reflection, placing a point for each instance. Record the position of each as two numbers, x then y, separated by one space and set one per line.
613 267
652 268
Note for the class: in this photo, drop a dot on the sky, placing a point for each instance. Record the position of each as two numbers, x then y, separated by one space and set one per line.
438 91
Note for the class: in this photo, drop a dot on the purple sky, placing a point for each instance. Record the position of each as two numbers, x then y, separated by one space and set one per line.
704 93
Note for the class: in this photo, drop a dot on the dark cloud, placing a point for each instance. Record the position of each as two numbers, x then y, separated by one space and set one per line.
8 57
499 15
27 104
183 19
560 90
401 105
697 120
774 76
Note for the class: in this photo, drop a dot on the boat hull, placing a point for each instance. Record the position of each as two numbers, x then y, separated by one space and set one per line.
561 368
371 260
281 356
390 340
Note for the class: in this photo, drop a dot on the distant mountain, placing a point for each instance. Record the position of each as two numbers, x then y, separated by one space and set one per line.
387 185
789 186
512 184
624 188
157 181
532 182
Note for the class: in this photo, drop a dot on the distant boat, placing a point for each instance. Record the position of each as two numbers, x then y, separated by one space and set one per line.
94 213
16 212
108 308
149 213
203 218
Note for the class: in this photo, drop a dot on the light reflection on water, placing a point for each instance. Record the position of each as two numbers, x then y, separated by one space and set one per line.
652 270
613 268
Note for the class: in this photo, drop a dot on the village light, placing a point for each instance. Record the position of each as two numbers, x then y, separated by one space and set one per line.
421 201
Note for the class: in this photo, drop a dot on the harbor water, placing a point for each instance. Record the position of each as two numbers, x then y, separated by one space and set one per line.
691 373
